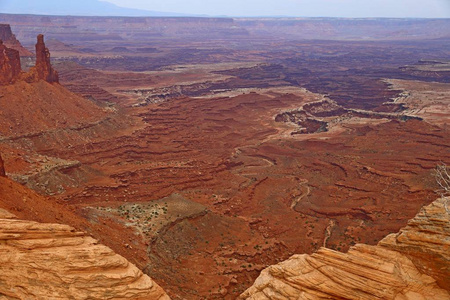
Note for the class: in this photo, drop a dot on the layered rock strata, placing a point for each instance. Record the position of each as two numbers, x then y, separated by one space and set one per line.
426 241
369 272
43 261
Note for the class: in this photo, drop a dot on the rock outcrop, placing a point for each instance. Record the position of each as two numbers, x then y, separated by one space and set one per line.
43 69
43 261
11 41
369 272
2 168
10 68
426 241
5 32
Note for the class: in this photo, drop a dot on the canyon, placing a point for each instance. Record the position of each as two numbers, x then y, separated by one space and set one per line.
205 150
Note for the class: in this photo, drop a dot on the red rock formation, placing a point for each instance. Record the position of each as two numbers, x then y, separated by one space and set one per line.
5 32
10 40
2 168
10 68
9 64
43 69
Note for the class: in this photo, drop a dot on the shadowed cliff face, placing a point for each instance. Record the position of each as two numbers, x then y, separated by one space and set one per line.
9 64
5 32
10 40
2 167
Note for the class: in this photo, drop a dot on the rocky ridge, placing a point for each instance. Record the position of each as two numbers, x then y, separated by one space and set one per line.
412 264
57 261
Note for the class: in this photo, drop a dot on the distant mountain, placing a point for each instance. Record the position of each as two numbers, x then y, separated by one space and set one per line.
76 8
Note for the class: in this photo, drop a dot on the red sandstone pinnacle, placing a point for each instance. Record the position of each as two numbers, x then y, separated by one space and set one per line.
2 168
10 68
43 67
9 64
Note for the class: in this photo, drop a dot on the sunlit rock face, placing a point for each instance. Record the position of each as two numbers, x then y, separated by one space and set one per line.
411 264
42 261
425 240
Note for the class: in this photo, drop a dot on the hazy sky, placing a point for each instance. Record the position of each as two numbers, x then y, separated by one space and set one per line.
316 8
294 8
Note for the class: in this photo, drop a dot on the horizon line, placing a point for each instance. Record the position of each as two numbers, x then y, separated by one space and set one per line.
225 17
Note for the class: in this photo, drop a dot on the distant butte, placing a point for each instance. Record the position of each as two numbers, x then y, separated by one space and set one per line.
10 40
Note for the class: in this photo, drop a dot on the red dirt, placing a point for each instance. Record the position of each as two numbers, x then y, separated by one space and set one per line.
188 172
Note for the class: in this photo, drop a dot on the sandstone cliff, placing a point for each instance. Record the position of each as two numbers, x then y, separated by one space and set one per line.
11 41
43 261
43 69
10 68
369 272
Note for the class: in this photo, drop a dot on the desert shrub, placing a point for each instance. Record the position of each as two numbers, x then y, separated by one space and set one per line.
442 176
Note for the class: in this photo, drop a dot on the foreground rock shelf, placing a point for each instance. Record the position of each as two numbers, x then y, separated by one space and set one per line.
43 261
369 272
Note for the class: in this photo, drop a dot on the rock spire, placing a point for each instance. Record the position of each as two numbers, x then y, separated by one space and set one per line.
43 67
